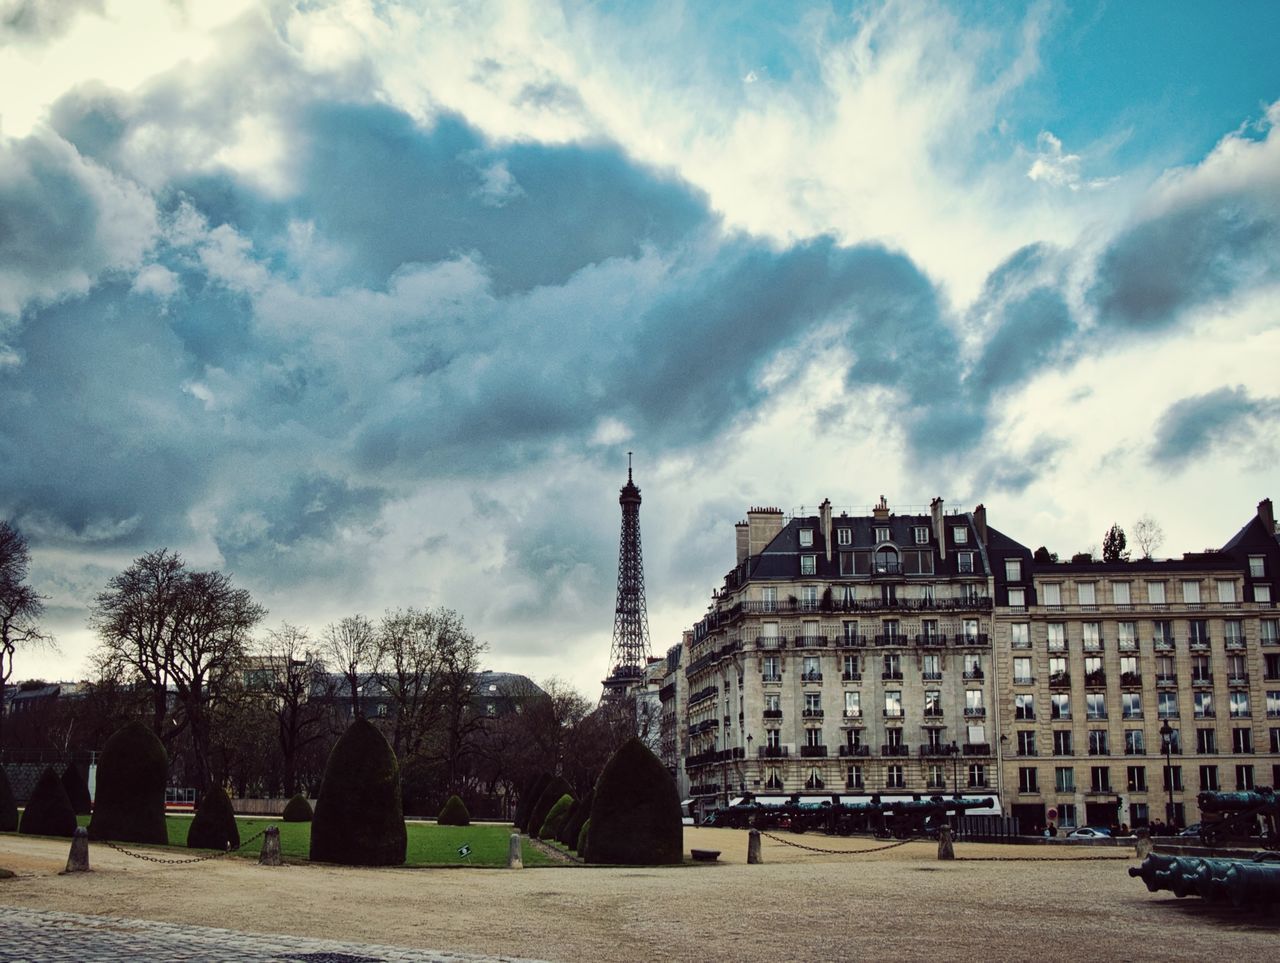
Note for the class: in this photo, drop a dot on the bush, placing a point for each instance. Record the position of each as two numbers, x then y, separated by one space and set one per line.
48 811
583 834
556 788
529 797
556 816
297 810
454 813
573 825
214 825
132 772
635 817
359 819
8 805
77 787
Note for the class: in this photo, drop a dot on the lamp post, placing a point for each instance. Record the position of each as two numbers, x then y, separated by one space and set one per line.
1166 737
955 768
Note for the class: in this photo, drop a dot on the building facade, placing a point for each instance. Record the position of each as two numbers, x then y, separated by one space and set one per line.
925 651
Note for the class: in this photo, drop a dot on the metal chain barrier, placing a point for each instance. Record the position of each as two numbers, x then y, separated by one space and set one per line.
192 859
835 852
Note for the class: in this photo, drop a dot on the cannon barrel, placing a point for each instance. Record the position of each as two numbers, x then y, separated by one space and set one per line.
1242 882
1262 800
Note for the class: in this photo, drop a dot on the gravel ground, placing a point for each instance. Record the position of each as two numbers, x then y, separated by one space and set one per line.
898 903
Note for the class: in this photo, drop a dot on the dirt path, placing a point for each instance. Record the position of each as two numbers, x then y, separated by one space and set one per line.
898 903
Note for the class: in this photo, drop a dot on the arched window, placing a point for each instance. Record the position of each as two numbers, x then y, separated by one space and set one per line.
886 560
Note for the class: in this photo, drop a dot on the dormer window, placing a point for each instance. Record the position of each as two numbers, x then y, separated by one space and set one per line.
808 564
960 536
882 534
922 535
844 536
806 538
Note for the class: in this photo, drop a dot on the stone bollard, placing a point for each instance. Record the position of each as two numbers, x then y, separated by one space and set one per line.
78 859
515 860
270 855
1143 846
753 847
946 849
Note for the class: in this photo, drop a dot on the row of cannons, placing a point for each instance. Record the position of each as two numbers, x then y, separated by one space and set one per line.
897 818
1226 817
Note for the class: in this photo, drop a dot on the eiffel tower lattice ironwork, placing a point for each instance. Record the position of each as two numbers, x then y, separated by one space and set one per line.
630 652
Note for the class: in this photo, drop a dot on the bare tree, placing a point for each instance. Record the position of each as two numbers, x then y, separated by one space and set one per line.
20 607
413 643
352 645
301 693
459 665
1147 535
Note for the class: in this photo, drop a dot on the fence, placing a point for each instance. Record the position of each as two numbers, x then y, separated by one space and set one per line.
988 828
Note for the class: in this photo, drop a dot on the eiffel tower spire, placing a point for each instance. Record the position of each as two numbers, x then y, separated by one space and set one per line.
631 650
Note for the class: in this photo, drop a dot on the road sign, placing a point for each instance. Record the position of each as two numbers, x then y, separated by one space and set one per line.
464 850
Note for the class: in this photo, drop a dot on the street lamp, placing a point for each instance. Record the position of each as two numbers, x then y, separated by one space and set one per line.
1166 737
955 768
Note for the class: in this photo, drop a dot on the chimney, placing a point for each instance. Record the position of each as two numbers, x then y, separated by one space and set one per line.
939 533
763 525
980 523
743 532
824 512
881 510
1267 515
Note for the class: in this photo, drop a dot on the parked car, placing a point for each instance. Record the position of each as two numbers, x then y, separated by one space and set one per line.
1192 830
1089 832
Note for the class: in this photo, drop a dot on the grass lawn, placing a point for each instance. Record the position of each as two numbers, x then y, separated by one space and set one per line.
429 844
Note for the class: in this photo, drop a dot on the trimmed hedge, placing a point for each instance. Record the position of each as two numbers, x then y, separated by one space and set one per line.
556 817
359 818
297 810
454 813
77 787
214 825
635 817
48 811
556 788
132 772
584 834
529 797
8 805
573 825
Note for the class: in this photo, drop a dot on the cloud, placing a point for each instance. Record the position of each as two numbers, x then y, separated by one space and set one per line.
39 20
1058 169
1194 428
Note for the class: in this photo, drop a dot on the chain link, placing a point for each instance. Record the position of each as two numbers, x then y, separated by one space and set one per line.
193 859
967 859
836 852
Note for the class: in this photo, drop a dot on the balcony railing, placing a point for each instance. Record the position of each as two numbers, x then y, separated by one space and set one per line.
977 749
1095 679
1238 678
895 750
854 752
975 712
1163 643
1167 680
811 676
851 641
892 638
1128 645
1235 642
893 713
970 638
811 641
931 640
1202 678
1060 680
772 752
811 713
938 751
1130 679
811 752
973 675
853 713
891 675
850 676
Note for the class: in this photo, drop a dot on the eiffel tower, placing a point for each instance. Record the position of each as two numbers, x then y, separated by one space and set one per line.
630 652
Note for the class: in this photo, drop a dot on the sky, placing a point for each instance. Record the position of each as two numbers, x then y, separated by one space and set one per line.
364 303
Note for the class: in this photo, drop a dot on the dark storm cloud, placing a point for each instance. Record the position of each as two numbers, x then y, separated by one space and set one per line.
37 20
1222 419
1196 252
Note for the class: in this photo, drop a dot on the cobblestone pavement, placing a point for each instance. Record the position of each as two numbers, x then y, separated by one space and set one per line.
46 936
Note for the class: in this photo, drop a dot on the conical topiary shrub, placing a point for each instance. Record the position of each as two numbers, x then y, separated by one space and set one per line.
74 782
574 805
454 813
359 819
214 825
529 797
573 825
297 810
583 835
8 805
635 817
556 816
48 811
132 772
556 788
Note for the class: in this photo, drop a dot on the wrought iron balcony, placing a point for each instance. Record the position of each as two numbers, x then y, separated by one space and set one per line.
1129 680
978 638
895 750
811 641
771 677
811 676
891 676
850 676
1167 680
1060 680
975 712
812 752
854 752
1201 678
1163 643
892 714
852 713
977 749
772 752
931 676
1238 678
851 641
973 675
938 751
1198 643
1095 679
931 640
811 713
773 713
892 638
1235 642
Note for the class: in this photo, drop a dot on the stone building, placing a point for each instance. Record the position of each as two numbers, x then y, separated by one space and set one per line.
925 651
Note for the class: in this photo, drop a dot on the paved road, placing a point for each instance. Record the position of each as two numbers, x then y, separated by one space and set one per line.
44 936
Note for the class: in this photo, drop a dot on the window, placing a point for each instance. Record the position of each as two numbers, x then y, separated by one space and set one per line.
1120 592
1127 634
970 627
849 668
1208 778
1155 593
1162 633
973 702
1244 777
977 775
935 776
893 703
1100 778
1226 591
1058 671
932 668
844 536
1092 635
1136 778
892 666
806 538
1173 778
1238 704
1166 705
1133 742
772 738
1199 631
1242 741
813 703
1098 743
813 737
809 603
1131 705
1139 814
1052 593
1206 741
1057 636
1024 706
1275 744
1013 569
882 534
960 535
1191 592
1233 631
1027 780
1128 669
894 778
1261 592
854 778
769 599
1236 673
1200 669
1059 705
1067 815
972 666
1273 704
1026 742
1064 779
1257 566
850 630
1087 594
1020 635
1017 598
964 563
1022 670
1062 745
1202 705
932 702
1093 673
812 671
853 705
773 703
769 670
921 535
808 564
